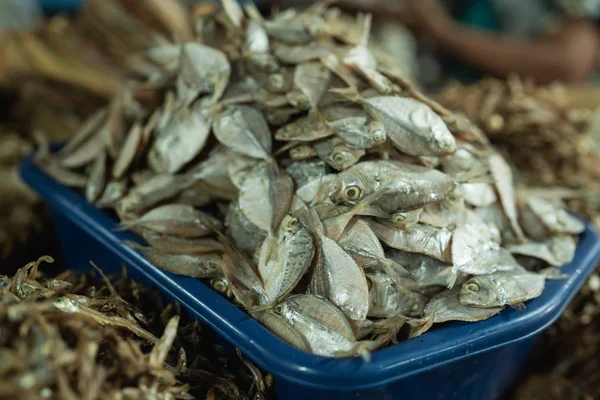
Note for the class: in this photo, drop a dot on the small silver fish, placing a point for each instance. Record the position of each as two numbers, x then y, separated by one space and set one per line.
97 179
413 127
196 266
312 78
177 220
202 69
244 130
321 324
174 147
389 296
289 259
336 275
556 251
446 307
424 239
502 288
337 153
410 186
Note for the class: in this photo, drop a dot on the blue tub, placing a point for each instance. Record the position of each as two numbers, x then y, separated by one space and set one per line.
459 360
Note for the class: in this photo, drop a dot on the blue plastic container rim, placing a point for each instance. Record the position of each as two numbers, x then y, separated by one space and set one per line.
439 347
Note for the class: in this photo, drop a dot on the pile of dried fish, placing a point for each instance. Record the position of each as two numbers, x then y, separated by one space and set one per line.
315 185
73 337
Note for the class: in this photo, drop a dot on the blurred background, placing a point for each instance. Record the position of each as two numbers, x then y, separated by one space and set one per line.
526 71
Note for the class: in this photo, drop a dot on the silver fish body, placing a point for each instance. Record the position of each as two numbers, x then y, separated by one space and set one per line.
501 288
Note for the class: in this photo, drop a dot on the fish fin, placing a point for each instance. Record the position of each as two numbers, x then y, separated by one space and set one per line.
365 21
449 276
392 266
350 93
362 348
424 327
366 207
125 225
475 175
262 307
253 13
133 245
553 273
519 306
265 249
310 219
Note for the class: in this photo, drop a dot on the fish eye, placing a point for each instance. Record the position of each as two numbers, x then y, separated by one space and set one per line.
472 287
278 308
378 135
276 81
219 285
352 193
399 218
59 300
292 222
338 157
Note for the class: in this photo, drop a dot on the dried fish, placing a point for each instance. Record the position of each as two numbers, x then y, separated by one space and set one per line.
336 275
177 220
196 266
244 130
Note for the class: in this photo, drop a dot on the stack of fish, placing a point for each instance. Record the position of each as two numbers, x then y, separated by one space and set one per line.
313 184
71 336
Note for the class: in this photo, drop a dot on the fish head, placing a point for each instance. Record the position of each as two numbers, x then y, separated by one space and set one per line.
426 120
65 304
290 225
477 292
377 133
406 219
341 158
317 26
351 185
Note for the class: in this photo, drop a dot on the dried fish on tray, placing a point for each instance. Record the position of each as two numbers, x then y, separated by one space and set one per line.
73 336
320 190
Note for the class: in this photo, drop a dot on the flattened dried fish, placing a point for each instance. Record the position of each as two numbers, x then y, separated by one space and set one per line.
312 78
195 266
290 257
177 220
97 179
174 147
336 275
502 288
244 130
447 307
203 69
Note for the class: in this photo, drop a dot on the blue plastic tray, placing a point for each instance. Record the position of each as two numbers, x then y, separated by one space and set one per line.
459 360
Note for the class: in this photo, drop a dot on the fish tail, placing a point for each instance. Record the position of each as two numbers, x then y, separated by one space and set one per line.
362 349
365 22
134 245
310 219
125 225
351 93
265 249
475 175
261 307
366 207
423 326
449 276
553 273
393 267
